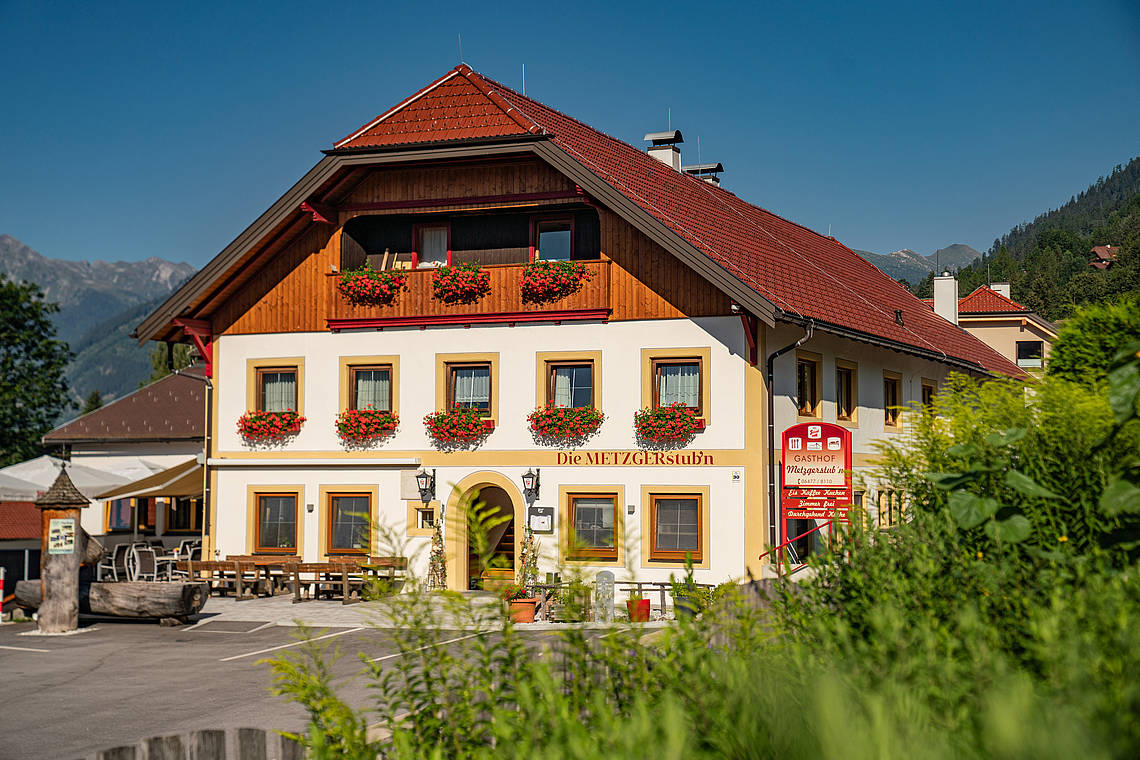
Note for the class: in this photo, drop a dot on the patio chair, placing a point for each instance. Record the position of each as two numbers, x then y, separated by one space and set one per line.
114 563
145 563
195 555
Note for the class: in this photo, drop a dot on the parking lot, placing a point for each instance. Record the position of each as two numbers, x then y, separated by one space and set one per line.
118 682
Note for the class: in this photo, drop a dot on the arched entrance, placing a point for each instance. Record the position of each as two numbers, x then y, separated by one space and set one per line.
500 502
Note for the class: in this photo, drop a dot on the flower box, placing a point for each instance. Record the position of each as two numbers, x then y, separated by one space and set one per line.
460 283
457 426
674 423
365 424
269 426
370 287
546 281
560 424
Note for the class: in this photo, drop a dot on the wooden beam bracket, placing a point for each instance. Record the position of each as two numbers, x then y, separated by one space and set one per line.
322 213
202 335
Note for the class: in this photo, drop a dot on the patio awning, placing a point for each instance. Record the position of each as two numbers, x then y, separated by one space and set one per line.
180 480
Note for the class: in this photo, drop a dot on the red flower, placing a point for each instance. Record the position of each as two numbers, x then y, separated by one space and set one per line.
369 287
365 424
257 426
673 423
456 426
461 284
545 281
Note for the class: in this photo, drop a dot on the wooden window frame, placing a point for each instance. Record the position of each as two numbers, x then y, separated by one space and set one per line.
929 385
330 523
537 220
804 357
853 419
593 554
107 516
673 555
552 366
354 368
655 367
254 368
542 394
450 368
195 525
297 517
262 371
892 419
414 508
417 240
443 379
348 385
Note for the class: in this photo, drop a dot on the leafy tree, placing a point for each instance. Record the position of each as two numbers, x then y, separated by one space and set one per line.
1087 342
33 391
158 368
93 401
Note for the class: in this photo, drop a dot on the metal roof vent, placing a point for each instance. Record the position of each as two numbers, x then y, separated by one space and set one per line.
664 147
898 317
705 172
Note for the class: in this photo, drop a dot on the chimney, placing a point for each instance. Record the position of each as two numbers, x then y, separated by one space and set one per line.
946 297
705 172
1001 288
664 147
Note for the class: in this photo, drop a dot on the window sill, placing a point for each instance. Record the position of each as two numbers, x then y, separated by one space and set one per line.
488 425
701 424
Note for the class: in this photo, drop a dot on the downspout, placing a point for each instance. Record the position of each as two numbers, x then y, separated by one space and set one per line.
773 534
205 439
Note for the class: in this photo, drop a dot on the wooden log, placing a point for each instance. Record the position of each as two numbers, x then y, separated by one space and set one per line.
134 599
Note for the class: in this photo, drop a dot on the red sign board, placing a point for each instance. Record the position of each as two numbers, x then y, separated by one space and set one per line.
817 473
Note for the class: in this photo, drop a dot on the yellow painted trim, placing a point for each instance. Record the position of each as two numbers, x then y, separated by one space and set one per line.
817 360
647 529
564 493
756 470
490 457
441 362
414 506
323 513
347 362
251 492
854 367
702 353
455 531
541 375
251 367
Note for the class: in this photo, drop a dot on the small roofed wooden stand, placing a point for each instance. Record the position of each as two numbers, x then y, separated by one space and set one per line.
59 566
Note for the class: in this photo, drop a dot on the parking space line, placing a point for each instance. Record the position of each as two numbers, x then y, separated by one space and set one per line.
293 644
262 627
429 646
26 649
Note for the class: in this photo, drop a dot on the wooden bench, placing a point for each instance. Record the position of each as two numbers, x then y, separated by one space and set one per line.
343 576
222 576
269 570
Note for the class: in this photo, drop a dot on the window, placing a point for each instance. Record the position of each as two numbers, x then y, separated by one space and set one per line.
469 387
183 515
119 515
425 518
276 522
276 389
571 385
892 394
846 391
432 246
593 521
371 387
890 509
929 390
350 521
677 381
1030 353
676 527
422 518
554 241
807 387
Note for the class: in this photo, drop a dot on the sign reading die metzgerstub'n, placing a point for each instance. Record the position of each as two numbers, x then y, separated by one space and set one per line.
817 472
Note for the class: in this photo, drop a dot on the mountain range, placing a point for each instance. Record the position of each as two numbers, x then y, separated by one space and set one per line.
913 267
100 302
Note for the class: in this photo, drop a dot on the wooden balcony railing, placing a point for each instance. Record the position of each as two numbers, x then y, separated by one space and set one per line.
418 306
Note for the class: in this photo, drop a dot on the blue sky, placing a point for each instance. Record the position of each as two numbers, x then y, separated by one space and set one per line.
159 129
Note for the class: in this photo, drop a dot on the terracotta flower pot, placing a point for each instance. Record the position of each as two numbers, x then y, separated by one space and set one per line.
638 610
522 610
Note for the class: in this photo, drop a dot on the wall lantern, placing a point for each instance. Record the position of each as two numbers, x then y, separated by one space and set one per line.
426 484
530 483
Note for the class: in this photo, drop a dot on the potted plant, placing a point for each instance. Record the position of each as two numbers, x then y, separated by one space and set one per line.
269 426
362 425
461 283
546 281
519 602
371 287
637 606
563 425
674 423
456 427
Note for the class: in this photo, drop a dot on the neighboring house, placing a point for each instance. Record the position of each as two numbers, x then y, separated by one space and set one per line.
991 315
19 530
691 291
1103 256
138 436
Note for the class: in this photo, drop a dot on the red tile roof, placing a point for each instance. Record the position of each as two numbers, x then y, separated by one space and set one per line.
19 520
803 273
986 299
1105 252
172 408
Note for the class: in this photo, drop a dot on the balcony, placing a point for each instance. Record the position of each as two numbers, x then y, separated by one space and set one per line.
417 306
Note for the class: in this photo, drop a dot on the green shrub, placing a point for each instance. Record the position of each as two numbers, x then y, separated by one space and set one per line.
1087 342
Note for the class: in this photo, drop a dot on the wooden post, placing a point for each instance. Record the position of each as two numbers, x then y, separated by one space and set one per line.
60 558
